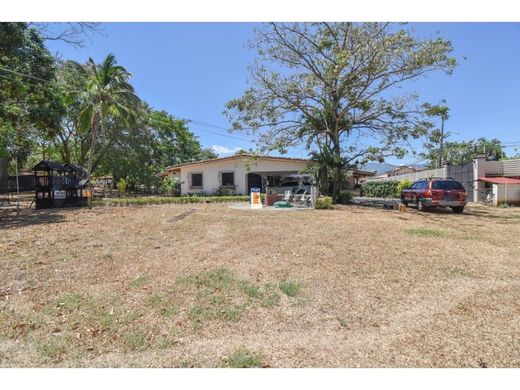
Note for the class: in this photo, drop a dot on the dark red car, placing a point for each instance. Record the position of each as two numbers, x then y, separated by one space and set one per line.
434 192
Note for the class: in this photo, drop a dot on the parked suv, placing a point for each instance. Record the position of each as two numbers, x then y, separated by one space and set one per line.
434 192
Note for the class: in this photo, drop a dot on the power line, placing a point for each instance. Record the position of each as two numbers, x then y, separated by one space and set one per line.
35 78
211 125
225 135
240 137
24 74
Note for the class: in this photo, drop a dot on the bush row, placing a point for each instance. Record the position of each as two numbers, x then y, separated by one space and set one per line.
176 200
384 189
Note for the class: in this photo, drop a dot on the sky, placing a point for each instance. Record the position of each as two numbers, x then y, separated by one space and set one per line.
192 69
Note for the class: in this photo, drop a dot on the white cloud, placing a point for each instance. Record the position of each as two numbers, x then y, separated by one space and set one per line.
219 149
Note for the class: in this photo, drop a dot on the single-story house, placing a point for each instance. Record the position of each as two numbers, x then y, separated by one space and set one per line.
357 176
238 173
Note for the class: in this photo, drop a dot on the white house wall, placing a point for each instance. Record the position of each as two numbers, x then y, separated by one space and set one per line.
240 167
510 195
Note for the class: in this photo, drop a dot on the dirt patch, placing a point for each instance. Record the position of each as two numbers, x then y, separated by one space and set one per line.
210 286
181 216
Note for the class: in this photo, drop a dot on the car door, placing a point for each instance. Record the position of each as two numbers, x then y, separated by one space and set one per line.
410 193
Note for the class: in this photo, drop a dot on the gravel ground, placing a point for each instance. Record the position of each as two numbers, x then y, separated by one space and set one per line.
192 285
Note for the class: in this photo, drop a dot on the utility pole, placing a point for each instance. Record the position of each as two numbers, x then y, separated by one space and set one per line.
441 146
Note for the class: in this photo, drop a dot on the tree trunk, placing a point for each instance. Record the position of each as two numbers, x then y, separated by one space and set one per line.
337 170
92 146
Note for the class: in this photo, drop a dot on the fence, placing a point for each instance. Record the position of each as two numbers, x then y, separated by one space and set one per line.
440 172
25 183
511 167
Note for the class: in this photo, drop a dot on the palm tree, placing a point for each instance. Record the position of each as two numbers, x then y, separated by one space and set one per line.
108 95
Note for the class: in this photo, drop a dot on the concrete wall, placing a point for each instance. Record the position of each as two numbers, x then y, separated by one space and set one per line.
509 194
211 173
441 172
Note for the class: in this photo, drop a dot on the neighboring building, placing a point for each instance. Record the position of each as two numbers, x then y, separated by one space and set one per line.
357 176
400 170
403 170
482 179
500 178
238 173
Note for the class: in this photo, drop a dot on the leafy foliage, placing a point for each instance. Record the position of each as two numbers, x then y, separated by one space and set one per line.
330 85
403 184
381 189
87 113
344 197
323 202
31 106
463 152
170 186
121 186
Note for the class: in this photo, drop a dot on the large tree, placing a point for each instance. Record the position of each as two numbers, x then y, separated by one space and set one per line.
334 87
108 97
173 142
31 105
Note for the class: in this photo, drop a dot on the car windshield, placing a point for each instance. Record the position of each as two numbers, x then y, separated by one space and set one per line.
447 185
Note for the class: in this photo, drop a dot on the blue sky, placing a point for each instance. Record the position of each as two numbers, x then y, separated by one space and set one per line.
192 69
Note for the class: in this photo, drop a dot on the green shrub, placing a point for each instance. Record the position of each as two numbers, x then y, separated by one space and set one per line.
345 198
403 185
381 189
121 186
323 202
170 186
224 191
176 200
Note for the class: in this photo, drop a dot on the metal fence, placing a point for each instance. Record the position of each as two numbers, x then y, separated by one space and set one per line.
511 167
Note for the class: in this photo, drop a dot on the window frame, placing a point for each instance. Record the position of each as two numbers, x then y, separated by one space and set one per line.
222 179
196 187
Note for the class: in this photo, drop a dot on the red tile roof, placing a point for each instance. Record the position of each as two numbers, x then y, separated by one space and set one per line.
500 180
234 157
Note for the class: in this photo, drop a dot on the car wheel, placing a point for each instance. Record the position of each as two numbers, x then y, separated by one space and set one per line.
458 209
420 205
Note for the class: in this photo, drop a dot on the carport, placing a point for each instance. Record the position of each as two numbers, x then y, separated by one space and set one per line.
504 190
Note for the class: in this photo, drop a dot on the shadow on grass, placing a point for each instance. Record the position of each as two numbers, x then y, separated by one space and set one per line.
28 217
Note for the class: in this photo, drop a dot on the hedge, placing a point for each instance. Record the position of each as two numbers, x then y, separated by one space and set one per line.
175 200
384 189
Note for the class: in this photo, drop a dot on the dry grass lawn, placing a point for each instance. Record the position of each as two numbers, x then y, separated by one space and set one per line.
209 286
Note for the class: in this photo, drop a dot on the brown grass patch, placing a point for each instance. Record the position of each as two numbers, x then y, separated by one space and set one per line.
343 288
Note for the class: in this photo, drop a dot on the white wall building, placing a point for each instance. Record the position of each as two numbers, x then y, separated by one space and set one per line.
238 173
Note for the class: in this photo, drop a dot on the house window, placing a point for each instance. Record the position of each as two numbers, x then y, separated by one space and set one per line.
228 179
196 180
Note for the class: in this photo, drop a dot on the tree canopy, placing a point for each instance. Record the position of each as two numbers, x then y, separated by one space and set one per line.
86 113
463 152
334 87
31 107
